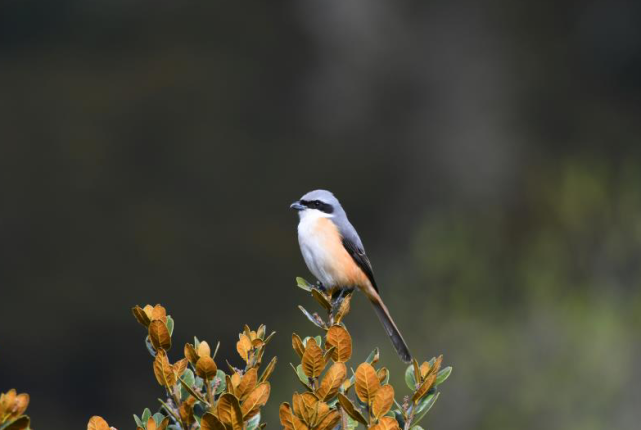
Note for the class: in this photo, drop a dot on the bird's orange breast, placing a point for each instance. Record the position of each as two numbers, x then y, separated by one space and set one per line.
340 264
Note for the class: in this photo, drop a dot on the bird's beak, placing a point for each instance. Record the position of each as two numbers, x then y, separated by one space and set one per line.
297 206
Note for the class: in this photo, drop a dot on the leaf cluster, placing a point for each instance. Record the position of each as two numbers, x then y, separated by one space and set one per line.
12 409
200 395
335 400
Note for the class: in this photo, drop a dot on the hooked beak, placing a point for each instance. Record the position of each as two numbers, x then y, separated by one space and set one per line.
297 206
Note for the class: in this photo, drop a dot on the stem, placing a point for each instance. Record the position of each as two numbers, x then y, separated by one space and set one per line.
210 396
408 423
343 418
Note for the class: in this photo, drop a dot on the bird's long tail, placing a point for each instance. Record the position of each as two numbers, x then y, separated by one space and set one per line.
392 331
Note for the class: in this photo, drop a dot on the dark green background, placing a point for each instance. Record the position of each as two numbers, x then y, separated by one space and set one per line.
487 152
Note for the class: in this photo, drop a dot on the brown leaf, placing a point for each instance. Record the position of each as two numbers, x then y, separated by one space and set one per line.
332 381
210 421
256 398
304 406
159 313
21 423
206 367
343 309
386 423
289 420
247 383
351 410
298 346
141 316
203 349
186 412
163 371
382 374
95 423
190 353
180 366
268 370
148 309
243 346
417 372
321 299
367 383
329 421
159 335
313 363
383 401
229 411
338 337
321 409
422 390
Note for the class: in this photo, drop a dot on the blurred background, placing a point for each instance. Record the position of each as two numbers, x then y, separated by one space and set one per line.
487 152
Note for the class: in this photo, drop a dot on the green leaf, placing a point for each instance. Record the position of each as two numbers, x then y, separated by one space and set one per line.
189 379
410 378
253 422
301 375
313 319
138 422
416 428
301 283
158 417
351 423
199 382
170 325
372 356
146 414
443 375
222 385
424 406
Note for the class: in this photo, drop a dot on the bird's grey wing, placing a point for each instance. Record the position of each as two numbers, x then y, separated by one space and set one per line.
355 249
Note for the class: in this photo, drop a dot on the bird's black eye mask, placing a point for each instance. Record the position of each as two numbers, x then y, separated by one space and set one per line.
317 204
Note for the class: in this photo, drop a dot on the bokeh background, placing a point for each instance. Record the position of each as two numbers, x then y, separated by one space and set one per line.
487 152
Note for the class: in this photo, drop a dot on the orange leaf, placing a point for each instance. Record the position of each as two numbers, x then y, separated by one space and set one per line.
304 406
339 337
367 383
351 410
313 363
329 421
97 423
243 346
206 367
256 398
163 371
210 421
383 401
229 411
422 390
190 353
203 349
180 366
159 335
247 383
289 420
332 381
298 346
386 423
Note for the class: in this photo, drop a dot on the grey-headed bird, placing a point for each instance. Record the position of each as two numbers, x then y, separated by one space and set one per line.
335 255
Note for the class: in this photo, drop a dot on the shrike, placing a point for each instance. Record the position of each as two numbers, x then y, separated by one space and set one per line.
335 255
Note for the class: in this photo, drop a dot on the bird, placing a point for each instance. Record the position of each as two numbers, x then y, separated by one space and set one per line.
334 254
